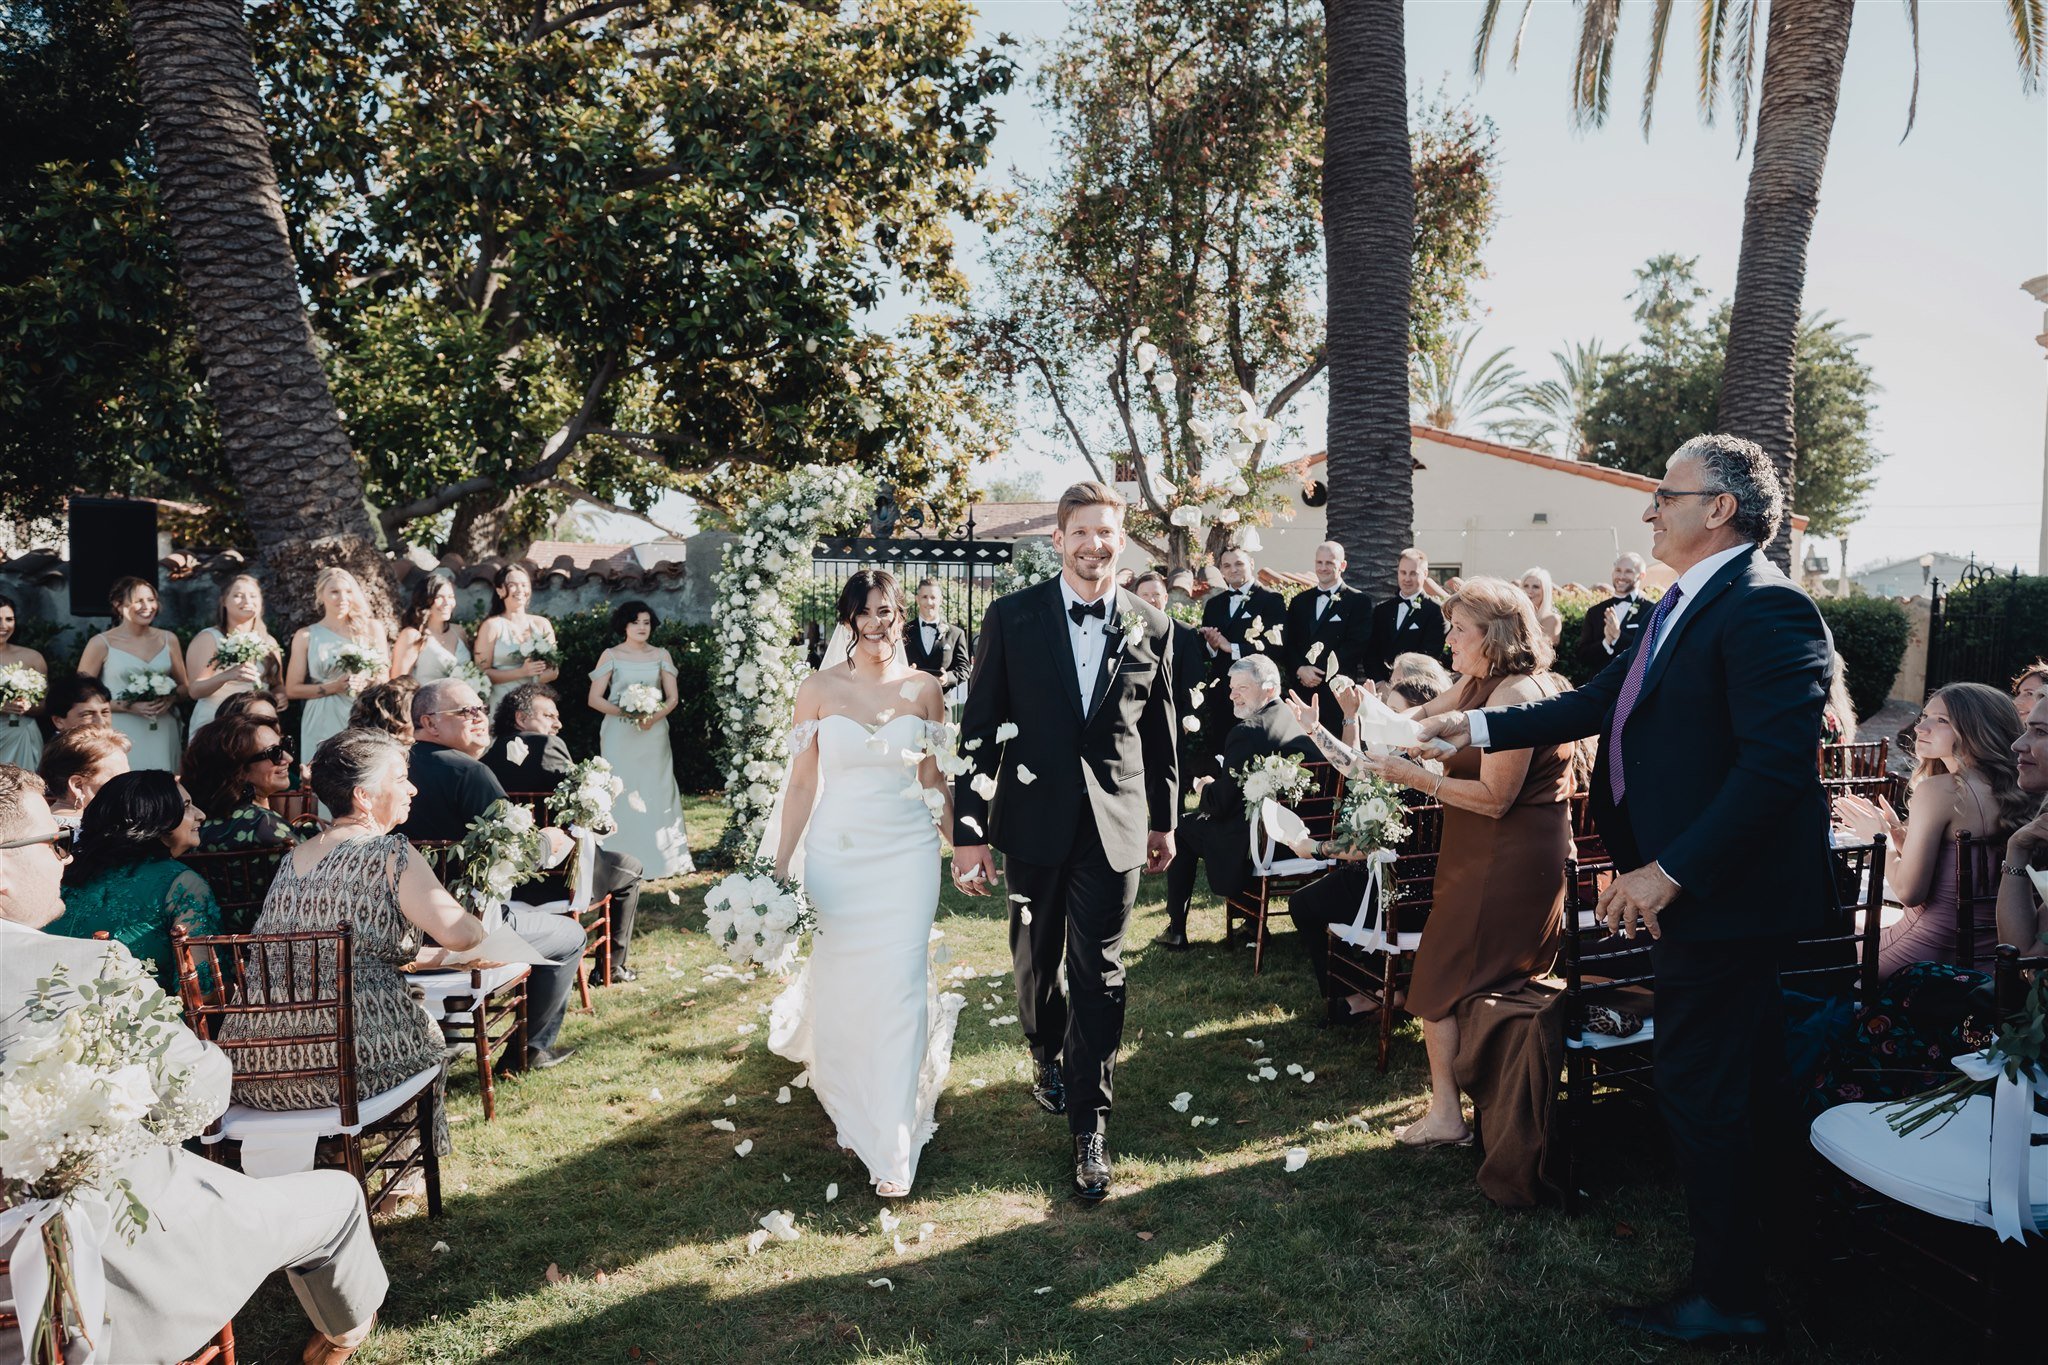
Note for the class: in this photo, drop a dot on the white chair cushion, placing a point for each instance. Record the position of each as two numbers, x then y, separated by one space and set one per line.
1595 1042
560 907
282 1141
1943 1168
439 987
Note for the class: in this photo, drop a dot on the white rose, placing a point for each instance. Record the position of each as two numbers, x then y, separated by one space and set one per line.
502 874
129 1093
519 819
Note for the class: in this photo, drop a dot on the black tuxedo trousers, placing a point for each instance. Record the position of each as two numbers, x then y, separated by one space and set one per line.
1082 908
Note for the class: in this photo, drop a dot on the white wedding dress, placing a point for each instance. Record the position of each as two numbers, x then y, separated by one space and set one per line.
863 1014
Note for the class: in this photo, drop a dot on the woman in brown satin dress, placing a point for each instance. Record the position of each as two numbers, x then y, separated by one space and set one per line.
1498 908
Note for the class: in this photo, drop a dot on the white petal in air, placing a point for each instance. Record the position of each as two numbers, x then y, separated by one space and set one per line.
1190 724
1249 541
1006 732
1025 775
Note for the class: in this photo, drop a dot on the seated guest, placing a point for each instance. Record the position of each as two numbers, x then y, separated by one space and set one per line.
450 730
2029 687
126 878
1414 680
218 1234
1613 623
359 872
1542 594
257 704
1410 623
234 768
529 717
386 706
1965 781
2022 915
78 701
1218 833
1337 896
77 763
1497 912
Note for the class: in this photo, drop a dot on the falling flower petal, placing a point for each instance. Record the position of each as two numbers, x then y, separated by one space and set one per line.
984 787
725 1125
1140 334
970 821
1021 900
1297 1157
1204 334
1024 914
1147 357
1006 732
1315 651
1190 724
1025 775
1249 541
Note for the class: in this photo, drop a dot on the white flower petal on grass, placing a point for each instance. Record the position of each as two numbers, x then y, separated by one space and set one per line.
1179 1103
781 1225
831 1191
1358 1121
1297 1157
884 1283
889 1220
1256 1042
746 1145
782 1095
977 1082
1307 1076
1294 1068
756 1240
801 1081
725 1125
1260 1061
654 1093
1025 775
1268 1073
747 1028
439 1248
897 1243
925 1231
731 1100
1043 1289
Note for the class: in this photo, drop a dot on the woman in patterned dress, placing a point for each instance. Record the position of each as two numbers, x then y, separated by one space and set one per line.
241 613
359 873
430 645
135 646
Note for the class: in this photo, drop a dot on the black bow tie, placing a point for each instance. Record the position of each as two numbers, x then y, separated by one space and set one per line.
1081 611
1326 592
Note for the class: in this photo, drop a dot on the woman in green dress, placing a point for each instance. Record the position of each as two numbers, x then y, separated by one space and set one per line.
649 811
511 637
126 877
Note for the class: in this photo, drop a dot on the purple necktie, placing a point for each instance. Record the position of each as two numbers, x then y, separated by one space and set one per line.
1632 687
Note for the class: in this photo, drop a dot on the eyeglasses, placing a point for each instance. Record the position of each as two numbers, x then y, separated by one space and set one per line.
276 753
59 839
466 712
1659 496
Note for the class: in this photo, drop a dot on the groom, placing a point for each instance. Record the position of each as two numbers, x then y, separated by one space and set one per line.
1084 797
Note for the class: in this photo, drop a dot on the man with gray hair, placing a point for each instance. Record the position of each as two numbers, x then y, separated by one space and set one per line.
217 1234
1218 832
1613 624
1710 803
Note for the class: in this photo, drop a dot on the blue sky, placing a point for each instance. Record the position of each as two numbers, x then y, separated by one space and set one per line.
1921 244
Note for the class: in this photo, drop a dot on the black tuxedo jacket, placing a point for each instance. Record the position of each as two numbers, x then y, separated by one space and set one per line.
1271 729
1344 632
1110 757
547 763
1422 633
949 662
1722 790
1593 652
1189 668
1265 606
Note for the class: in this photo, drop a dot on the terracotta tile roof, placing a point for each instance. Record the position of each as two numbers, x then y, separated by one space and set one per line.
551 554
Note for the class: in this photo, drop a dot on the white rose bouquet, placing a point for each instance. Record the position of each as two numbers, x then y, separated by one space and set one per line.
640 701
243 647
356 661
1371 819
21 687
88 1088
145 685
500 849
542 646
470 672
583 799
1280 776
759 918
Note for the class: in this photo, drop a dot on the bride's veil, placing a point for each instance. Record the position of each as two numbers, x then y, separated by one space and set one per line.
837 651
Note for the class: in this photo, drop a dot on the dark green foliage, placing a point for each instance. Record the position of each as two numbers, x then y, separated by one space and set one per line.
694 731
2008 609
1870 635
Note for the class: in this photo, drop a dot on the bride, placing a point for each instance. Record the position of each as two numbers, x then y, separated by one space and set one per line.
862 838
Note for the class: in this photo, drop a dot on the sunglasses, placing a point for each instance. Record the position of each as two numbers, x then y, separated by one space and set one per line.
466 712
59 839
276 753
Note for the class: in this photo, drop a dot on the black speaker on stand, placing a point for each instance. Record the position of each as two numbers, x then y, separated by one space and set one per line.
111 539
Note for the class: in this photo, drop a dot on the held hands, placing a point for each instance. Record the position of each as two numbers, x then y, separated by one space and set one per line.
1870 823
1636 897
974 869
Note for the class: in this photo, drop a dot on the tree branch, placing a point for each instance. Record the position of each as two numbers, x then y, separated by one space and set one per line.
1059 404
542 26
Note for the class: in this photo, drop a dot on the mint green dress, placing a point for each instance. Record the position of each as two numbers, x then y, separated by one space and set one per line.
321 718
510 652
153 741
137 905
649 810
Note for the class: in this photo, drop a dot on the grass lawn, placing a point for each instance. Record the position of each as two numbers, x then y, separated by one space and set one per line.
608 1170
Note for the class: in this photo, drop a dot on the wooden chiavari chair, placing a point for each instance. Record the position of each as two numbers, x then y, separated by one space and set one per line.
1977 878
239 879
1275 871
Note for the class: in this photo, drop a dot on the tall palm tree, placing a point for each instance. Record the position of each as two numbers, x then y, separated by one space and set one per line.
1805 44
301 490
1444 394
1553 412
1368 239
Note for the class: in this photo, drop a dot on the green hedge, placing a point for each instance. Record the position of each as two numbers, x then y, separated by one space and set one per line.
2014 608
1870 635
695 734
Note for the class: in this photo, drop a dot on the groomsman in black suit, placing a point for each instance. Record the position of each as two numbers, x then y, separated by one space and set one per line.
1613 623
935 644
1329 628
1239 621
1708 798
1190 673
1218 833
1407 624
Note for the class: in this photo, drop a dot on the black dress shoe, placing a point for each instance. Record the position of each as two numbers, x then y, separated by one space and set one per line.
541 1058
1049 1089
622 974
1173 940
1693 1318
1091 1167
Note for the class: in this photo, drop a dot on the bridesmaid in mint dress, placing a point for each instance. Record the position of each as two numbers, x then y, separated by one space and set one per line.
135 646
314 677
508 632
430 645
649 810
241 612
21 737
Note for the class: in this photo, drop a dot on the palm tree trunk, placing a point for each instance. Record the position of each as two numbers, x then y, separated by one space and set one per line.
1804 48
1368 245
301 490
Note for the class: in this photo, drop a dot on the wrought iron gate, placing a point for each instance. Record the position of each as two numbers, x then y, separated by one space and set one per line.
966 569
1970 628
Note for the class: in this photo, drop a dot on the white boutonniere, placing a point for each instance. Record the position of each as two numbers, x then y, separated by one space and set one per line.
516 750
1133 624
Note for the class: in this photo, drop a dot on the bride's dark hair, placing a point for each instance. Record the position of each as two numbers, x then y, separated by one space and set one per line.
853 598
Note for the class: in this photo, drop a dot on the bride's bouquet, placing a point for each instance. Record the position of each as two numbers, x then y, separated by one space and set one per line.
1370 820
759 918
500 849
640 700
146 684
88 1087
583 799
1279 776
20 683
357 662
243 647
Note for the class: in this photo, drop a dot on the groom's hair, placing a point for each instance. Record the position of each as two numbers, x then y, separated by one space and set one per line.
1089 493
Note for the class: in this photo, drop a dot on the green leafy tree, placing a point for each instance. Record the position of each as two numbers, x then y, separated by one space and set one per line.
1452 394
1655 396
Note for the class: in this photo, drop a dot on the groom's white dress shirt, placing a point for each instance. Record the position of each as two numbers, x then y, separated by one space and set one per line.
1086 636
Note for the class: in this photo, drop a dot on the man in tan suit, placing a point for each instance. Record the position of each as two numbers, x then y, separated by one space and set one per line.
214 1234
